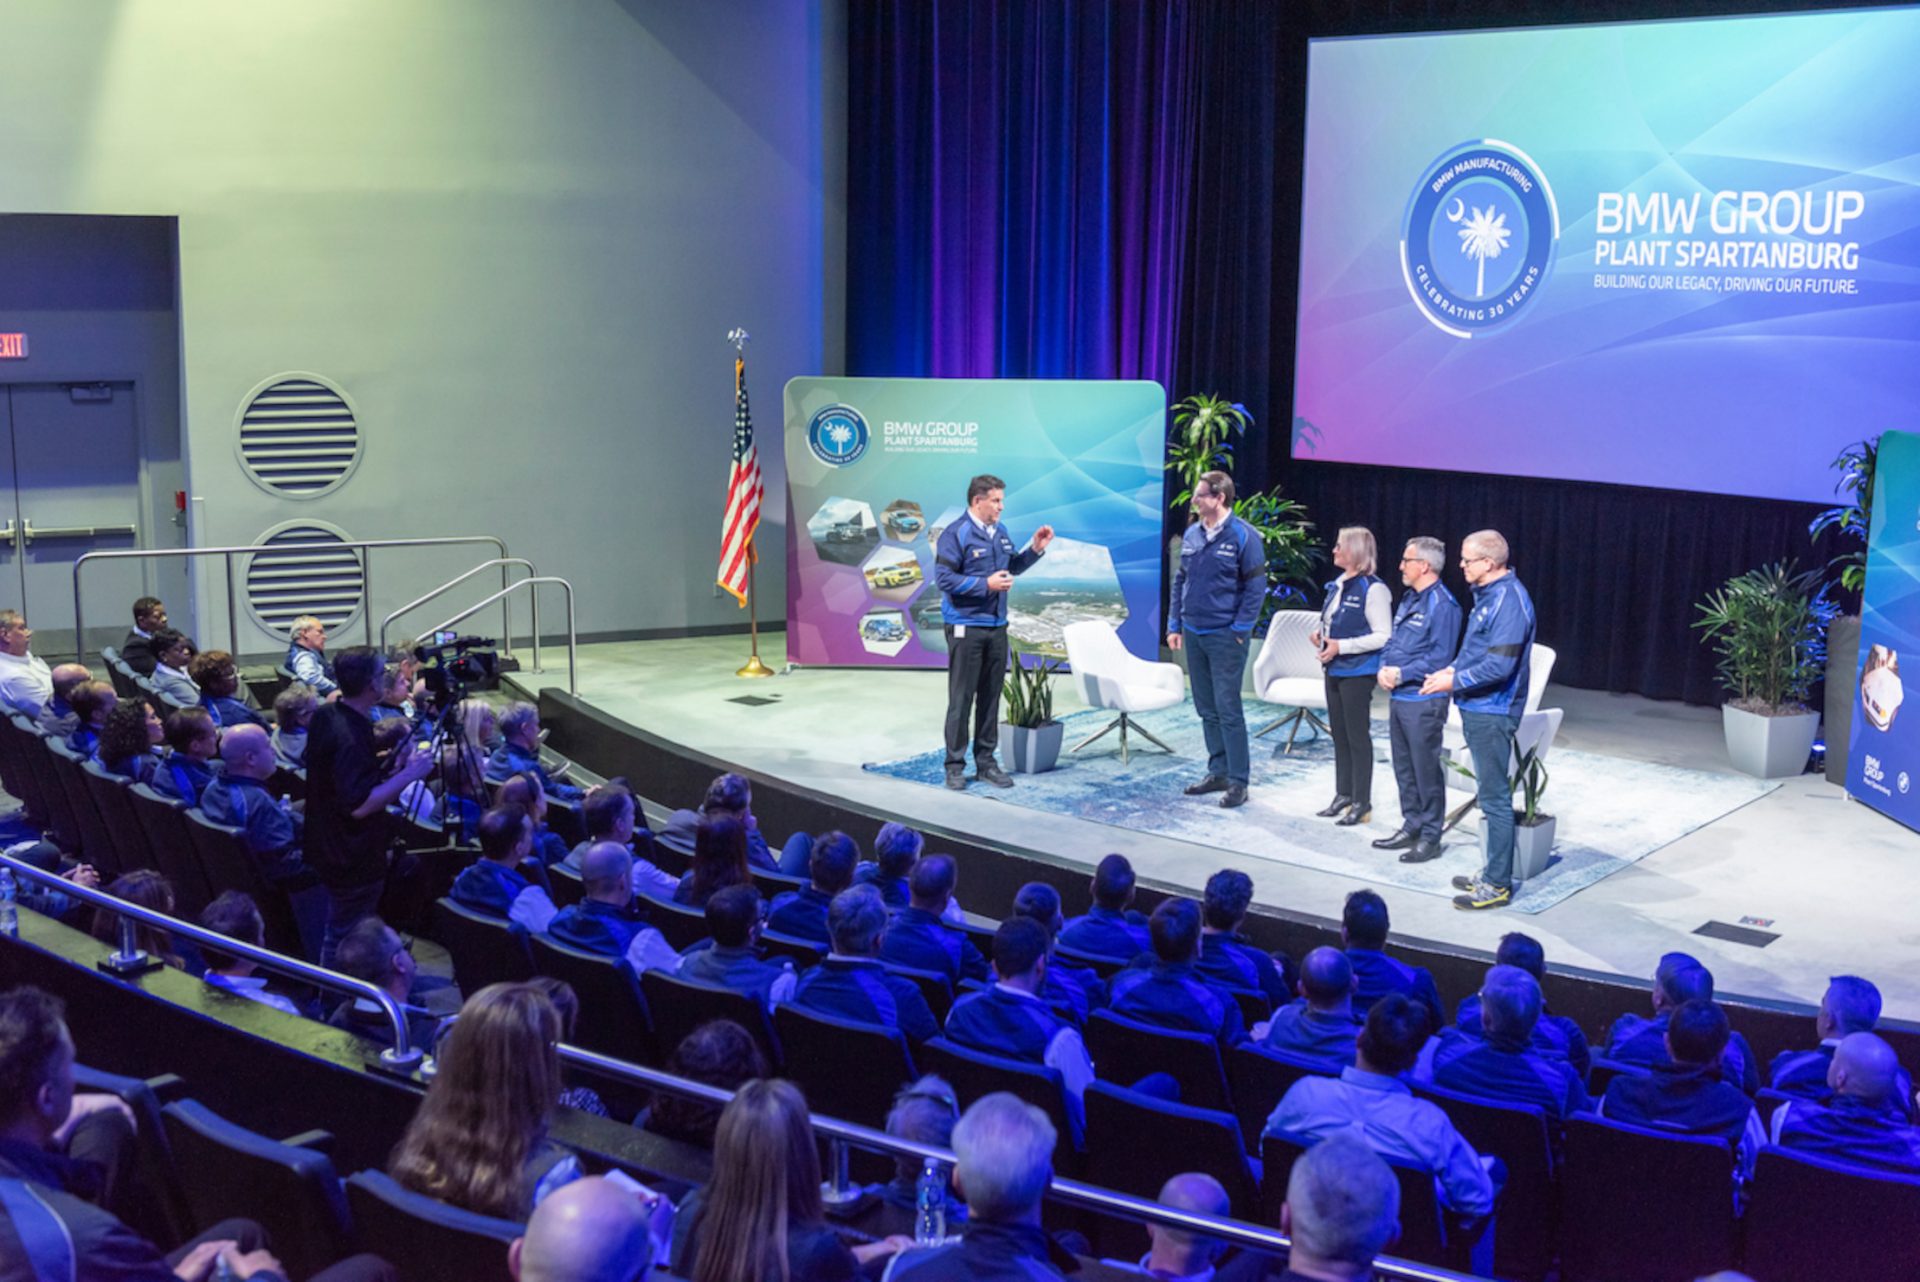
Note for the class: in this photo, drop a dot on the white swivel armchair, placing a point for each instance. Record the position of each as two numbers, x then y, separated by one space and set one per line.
1287 672
1108 677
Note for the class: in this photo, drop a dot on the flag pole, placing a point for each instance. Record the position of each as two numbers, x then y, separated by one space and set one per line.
753 667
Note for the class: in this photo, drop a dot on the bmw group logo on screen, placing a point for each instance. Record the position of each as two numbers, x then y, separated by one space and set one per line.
1479 237
838 435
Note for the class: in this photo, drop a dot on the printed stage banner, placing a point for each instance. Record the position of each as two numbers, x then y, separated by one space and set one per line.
1883 753
878 467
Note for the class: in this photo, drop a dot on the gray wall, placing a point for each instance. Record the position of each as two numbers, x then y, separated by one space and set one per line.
514 231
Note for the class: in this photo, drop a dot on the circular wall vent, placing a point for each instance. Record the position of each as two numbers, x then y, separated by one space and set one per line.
329 583
298 436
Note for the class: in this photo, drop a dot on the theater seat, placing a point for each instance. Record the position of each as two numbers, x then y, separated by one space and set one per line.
424 1238
127 836
803 953
1521 1135
566 885
1125 1050
223 855
1643 1204
1425 1232
1136 1143
974 1074
1810 1220
96 843
680 1005
165 820
932 985
1261 1077
485 950
848 1070
291 1190
683 927
614 1019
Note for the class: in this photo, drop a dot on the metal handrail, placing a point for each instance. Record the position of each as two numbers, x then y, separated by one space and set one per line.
403 1054
227 553
503 562
529 584
844 1134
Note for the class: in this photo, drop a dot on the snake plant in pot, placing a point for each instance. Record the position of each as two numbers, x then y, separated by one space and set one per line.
1768 628
1027 726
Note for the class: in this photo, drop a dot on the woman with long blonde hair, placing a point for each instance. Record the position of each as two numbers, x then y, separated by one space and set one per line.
1355 624
479 1139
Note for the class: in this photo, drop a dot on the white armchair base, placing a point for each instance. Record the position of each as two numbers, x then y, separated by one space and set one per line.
1125 723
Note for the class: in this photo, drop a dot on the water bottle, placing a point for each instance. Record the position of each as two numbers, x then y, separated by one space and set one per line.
286 804
930 1206
9 905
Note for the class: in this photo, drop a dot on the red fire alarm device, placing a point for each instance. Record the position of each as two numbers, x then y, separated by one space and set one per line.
13 347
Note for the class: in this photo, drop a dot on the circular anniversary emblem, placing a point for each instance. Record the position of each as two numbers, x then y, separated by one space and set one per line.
1479 237
838 435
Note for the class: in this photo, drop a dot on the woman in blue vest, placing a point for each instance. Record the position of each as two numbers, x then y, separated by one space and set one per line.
1354 625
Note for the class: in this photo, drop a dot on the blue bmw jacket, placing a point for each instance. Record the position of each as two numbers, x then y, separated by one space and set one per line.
1490 672
1426 628
1220 585
964 559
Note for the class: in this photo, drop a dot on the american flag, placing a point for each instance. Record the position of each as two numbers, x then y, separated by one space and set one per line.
746 489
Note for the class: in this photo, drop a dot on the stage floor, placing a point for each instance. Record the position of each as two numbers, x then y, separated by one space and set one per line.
1836 880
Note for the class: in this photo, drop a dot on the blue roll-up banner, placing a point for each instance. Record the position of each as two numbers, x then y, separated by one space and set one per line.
878 467
1883 755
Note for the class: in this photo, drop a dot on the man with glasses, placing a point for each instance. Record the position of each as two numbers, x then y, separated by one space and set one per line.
378 954
1426 630
26 682
1217 594
1488 680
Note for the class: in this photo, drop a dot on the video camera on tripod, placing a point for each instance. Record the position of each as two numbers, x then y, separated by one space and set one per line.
451 665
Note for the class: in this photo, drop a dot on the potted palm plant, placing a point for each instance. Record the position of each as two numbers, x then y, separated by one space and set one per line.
1027 726
1768 629
1848 522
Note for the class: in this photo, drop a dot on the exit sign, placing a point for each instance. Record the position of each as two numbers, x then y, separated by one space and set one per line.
13 347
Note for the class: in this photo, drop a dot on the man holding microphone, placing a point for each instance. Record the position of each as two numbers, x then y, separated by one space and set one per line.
974 564
1217 594
1426 629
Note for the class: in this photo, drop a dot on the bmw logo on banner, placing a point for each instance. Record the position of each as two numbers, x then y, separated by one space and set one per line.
838 435
1479 237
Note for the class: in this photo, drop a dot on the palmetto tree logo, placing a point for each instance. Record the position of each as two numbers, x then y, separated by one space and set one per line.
838 435
1484 237
1478 201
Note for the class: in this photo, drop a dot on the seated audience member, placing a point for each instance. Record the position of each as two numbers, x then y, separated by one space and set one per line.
593 1230
1370 1099
87 704
1499 1062
169 678
852 983
917 936
802 913
396 691
1169 993
1321 1024
1003 1151
149 616
718 1053
480 726
1010 1019
307 658
1850 1005
493 884
60 718
1554 1036
1684 1091
46 900
611 813
525 791
1110 928
41 1122
453 798
1342 1210
731 795
235 915
1865 1123
605 921
213 671
152 891
128 740
924 1113
895 851
239 798
1067 987
719 861
760 1217
519 752
1363 932
479 1141
293 710
192 743
375 953
26 682
731 961
1678 979
566 1003
1183 1255
1226 958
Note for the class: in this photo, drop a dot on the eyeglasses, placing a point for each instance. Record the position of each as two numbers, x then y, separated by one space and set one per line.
1466 561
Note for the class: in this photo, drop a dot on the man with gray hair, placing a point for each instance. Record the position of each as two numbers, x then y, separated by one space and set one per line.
307 655
1426 631
852 983
26 683
519 752
1004 1152
1342 1210
1851 1005
1488 680
1501 1063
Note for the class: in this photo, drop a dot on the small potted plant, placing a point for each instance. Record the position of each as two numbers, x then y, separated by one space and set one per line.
1533 828
1768 628
1027 726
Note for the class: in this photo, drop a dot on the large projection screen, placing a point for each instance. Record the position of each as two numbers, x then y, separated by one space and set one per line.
1678 254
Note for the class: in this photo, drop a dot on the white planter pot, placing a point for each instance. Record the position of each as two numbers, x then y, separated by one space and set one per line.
1769 747
1532 847
1032 751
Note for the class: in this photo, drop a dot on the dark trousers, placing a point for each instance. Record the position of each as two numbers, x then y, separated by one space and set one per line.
1216 663
1414 729
976 669
250 1237
1490 738
1349 699
346 905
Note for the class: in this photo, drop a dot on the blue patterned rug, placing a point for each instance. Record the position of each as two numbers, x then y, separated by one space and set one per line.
1611 811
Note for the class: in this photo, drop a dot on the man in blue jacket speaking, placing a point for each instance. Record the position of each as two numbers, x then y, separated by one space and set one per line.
1488 681
1217 594
974 564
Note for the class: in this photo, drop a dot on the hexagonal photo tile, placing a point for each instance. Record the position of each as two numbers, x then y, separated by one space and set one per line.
1074 581
903 520
928 624
893 574
942 521
883 632
843 531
